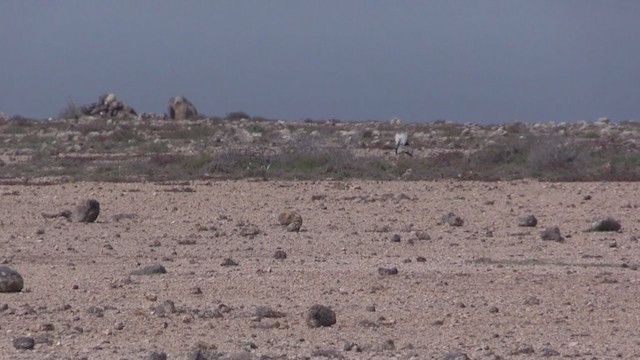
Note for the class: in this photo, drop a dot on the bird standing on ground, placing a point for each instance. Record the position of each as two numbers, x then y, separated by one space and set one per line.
402 144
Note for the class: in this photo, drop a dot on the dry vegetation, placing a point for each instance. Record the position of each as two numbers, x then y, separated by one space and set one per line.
156 149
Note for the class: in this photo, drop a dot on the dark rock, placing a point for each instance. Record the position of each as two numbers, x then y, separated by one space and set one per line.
292 220
166 308
528 221
452 219
395 238
551 234
523 350
267 312
456 356
294 227
87 211
24 343
249 231
388 345
96 311
421 259
150 270
388 271
494 310
328 353
10 280
157 356
605 224
280 255
320 315
229 262
548 352
180 108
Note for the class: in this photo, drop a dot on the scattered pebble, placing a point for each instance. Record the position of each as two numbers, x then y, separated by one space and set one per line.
229 262
605 224
528 221
452 219
150 270
280 255
24 343
551 234
10 280
267 312
157 356
320 315
456 356
388 271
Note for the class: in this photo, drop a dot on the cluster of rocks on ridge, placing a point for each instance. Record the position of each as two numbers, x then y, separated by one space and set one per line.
108 105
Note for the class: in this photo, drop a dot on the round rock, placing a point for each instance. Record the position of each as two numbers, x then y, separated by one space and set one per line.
87 211
320 315
24 343
10 280
528 221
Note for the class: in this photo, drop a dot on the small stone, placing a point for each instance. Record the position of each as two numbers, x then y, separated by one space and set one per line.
150 270
118 326
10 280
24 343
287 218
96 311
229 262
456 356
280 255
452 219
421 259
605 224
395 238
294 227
157 356
267 312
46 327
249 231
388 271
87 211
164 309
548 352
523 350
551 234
493 310
320 315
528 221
196 290
370 308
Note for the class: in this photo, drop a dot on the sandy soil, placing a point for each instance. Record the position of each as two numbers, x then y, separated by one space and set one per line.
489 288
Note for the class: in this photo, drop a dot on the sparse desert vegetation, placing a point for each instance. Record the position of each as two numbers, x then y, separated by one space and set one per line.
156 148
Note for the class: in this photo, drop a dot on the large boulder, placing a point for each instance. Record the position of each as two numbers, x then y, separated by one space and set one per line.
108 105
180 108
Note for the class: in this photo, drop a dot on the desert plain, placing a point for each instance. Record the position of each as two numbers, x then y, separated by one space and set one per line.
488 289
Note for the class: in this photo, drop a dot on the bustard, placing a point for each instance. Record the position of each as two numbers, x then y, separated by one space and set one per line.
402 144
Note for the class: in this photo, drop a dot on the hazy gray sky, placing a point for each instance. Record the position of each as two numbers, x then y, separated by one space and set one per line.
484 61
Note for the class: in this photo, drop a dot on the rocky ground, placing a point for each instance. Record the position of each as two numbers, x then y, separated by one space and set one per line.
404 280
